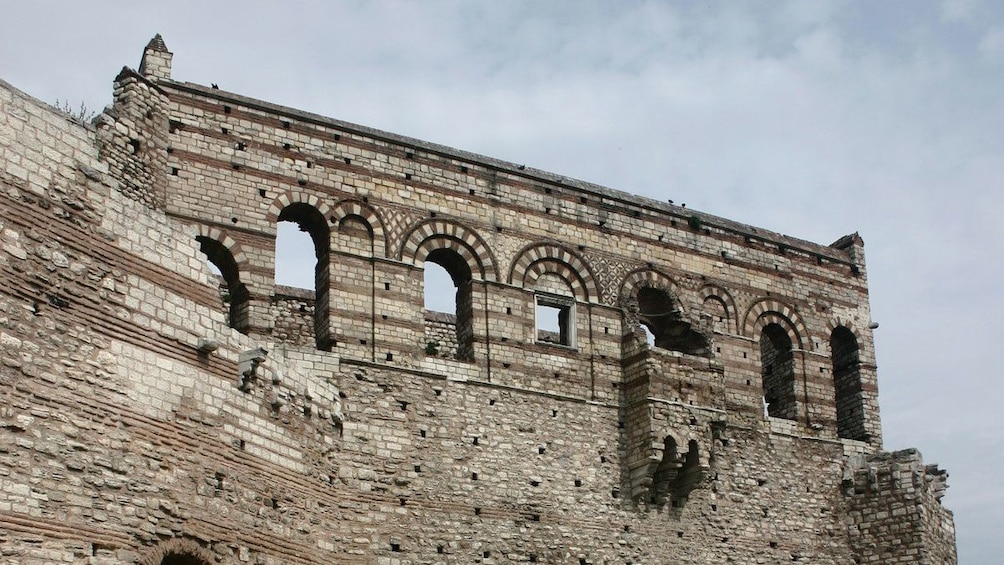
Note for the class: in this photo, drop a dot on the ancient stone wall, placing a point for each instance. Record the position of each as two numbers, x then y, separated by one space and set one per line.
153 412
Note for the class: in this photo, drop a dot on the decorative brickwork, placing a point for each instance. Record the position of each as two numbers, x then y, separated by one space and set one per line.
154 412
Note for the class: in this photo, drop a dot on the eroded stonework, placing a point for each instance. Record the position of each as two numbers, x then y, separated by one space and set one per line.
707 393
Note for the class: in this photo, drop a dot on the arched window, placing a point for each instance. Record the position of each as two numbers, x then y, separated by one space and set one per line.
847 384
308 219
778 366
663 319
438 296
233 292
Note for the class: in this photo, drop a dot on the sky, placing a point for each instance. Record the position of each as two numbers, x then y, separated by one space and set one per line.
810 118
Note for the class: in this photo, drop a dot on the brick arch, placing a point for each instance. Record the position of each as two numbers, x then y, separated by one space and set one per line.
836 322
348 207
179 547
227 242
647 277
711 291
223 252
291 197
770 310
433 234
539 258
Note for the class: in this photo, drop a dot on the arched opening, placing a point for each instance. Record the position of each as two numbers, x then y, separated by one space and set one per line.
778 370
232 292
664 320
847 384
295 260
181 559
457 281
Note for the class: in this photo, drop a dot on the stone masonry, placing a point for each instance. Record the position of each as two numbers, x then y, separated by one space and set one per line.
709 394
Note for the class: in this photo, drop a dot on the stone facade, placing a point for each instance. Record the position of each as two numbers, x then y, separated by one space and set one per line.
154 412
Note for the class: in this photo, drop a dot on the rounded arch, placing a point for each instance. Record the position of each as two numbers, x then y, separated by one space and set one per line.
311 220
232 247
723 298
311 215
433 234
221 250
291 197
651 299
177 552
770 310
777 365
539 258
356 208
847 390
837 322
634 281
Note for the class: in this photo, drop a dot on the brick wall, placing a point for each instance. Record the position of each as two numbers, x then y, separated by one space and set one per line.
141 419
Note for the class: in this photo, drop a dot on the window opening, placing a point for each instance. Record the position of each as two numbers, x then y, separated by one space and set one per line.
294 256
446 274
847 384
233 293
778 366
555 319
440 292
663 319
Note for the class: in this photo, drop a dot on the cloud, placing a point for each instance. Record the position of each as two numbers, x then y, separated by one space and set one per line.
992 45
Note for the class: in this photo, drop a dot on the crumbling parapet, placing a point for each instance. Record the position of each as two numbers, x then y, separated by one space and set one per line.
132 138
894 509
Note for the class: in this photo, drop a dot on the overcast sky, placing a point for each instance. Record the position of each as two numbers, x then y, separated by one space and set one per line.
814 119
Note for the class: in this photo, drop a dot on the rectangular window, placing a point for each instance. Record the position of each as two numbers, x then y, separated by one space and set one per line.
555 319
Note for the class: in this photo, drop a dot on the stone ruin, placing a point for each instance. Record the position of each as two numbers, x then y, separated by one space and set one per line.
623 381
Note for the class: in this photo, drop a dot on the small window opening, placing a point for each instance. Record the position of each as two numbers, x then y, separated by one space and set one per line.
555 319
